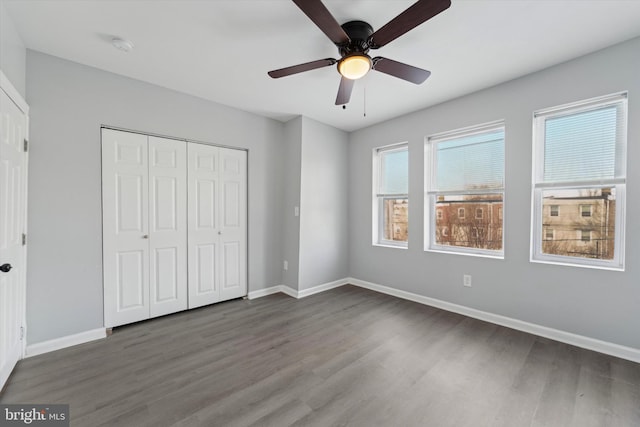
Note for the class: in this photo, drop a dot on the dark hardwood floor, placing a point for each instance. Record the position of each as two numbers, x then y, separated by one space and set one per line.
345 357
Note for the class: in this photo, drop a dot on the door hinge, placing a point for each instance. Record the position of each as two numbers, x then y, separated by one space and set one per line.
24 239
21 333
26 145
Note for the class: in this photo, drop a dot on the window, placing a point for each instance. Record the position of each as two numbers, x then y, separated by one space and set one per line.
549 234
580 171
465 173
391 196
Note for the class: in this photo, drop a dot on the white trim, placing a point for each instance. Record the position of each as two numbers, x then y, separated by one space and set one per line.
298 294
467 131
323 287
586 104
289 291
264 292
273 290
66 341
12 92
605 347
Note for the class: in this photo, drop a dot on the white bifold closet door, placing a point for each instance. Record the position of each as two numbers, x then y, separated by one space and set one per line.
217 224
144 226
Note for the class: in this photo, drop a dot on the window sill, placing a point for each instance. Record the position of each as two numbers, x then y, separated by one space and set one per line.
576 264
464 253
388 245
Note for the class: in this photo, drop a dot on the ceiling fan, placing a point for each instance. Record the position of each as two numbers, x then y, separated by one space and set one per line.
354 39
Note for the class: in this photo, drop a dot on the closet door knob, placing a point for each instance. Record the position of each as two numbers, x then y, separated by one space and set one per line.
219 232
145 236
5 268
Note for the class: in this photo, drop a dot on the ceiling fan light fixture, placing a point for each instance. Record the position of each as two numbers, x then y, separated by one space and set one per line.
354 66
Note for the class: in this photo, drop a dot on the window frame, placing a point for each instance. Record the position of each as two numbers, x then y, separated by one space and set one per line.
431 193
618 184
379 198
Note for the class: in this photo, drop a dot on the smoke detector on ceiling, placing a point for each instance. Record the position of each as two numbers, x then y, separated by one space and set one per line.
122 44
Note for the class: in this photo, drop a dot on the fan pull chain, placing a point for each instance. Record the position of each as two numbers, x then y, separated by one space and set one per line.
364 102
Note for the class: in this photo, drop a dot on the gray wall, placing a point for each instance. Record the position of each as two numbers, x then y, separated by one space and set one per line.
68 104
324 249
595 303
12 52
315 243
290 222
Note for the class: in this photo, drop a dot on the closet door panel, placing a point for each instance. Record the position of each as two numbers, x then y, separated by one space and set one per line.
125 227
168 225
204 228
233 232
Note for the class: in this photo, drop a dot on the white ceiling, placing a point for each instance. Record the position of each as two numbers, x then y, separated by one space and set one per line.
221 50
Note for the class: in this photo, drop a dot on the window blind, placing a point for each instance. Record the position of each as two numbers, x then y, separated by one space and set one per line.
583 146
471 162
394 178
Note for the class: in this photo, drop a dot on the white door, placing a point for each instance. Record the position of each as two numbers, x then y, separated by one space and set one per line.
233 228
168 225
13 164
125 233
217 224
204 277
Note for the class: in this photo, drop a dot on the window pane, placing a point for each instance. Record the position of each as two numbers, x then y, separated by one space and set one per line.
581 146
394 176
396 219
584 225
470 162
456 229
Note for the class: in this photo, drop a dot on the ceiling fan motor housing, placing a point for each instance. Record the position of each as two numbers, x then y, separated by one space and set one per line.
359 32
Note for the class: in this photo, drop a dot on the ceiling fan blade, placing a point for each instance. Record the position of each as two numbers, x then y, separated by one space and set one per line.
318 13
307 66
398 69
344 91
419 12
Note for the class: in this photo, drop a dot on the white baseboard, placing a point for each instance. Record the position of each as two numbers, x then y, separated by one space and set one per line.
273 290
321 288
64 342
623 352
295 293
264 292
289 291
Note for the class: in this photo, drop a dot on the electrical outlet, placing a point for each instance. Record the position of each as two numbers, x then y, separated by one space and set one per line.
285 265
466 280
